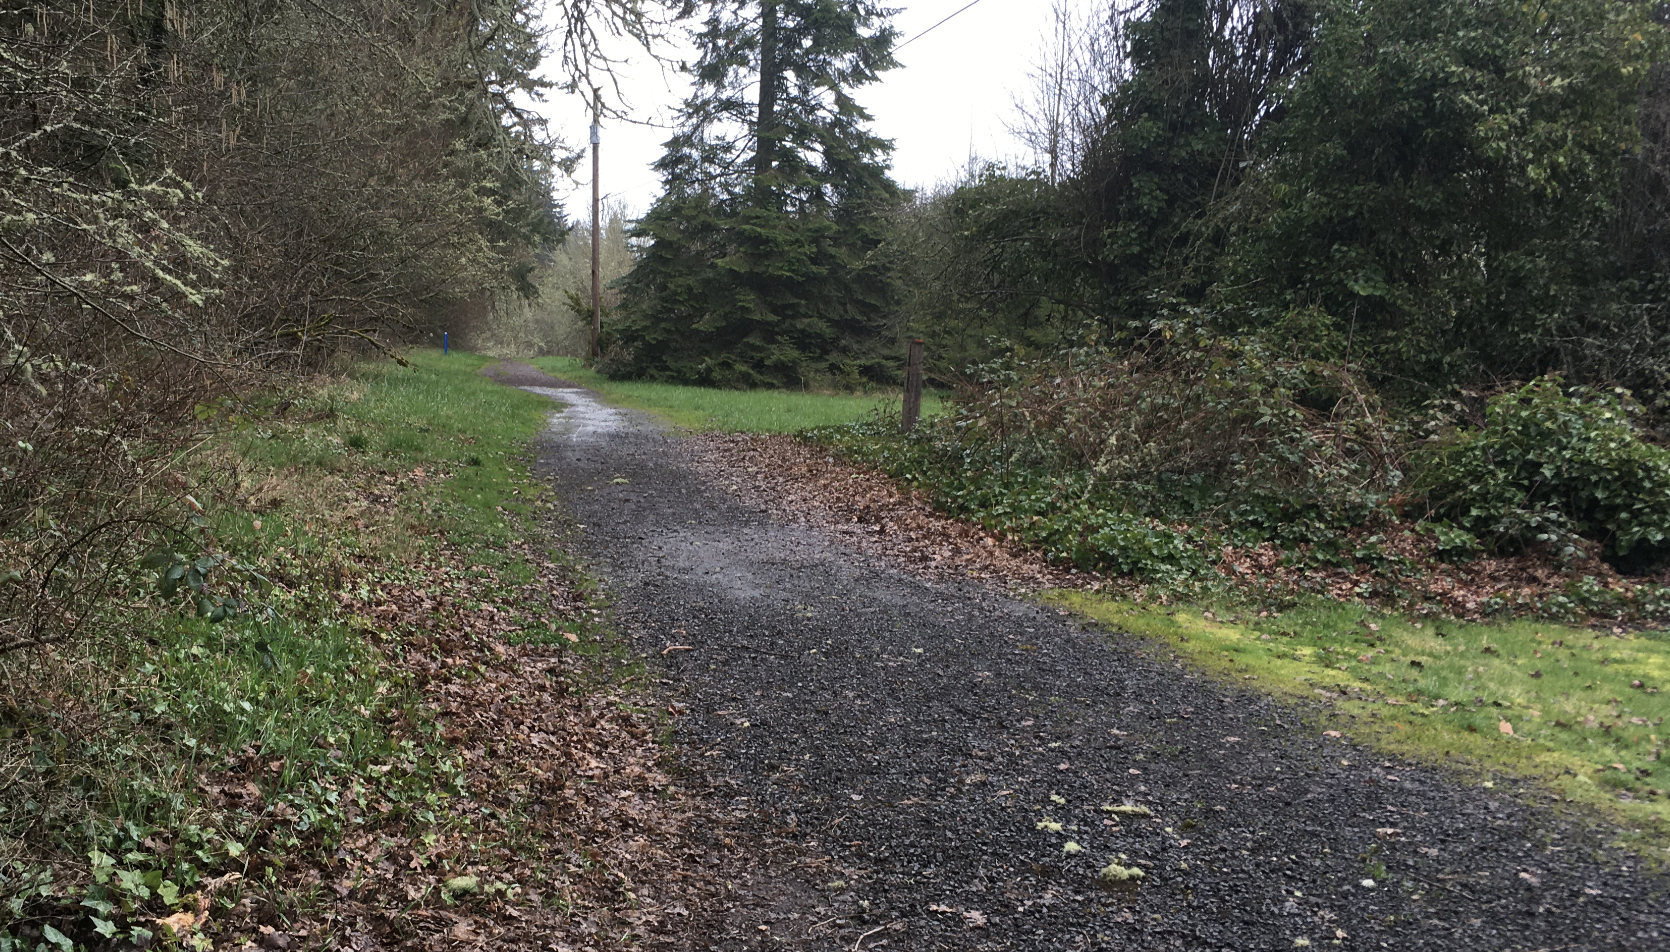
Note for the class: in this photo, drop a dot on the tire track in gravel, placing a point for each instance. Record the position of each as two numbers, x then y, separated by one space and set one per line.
918 756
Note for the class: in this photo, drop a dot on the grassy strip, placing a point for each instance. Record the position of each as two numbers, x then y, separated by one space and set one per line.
731 411
184 768
1585 707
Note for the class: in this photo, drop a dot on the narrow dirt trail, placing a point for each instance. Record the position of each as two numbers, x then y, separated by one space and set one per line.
938 759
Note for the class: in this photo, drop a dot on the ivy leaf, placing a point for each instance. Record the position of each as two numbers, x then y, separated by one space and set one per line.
57 938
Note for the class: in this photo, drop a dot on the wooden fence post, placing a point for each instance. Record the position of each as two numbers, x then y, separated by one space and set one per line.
913 386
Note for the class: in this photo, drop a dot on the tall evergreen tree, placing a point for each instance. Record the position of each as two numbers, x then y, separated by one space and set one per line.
761 264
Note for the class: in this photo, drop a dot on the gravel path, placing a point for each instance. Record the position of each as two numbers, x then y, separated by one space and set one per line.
940 760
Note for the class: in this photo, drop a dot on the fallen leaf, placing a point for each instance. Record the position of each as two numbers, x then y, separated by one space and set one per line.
1505 728
178 924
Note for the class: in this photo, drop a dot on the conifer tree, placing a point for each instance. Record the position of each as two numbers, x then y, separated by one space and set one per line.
760 265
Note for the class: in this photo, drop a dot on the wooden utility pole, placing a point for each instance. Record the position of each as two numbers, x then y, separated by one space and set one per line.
596 235
913 386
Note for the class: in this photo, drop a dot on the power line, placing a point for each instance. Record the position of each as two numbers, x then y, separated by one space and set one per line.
932 28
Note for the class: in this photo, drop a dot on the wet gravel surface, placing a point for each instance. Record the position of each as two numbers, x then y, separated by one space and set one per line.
940 760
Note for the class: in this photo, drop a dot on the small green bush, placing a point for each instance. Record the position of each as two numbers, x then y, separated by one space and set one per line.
1570 469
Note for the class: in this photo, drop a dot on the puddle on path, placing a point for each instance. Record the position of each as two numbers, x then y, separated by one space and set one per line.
586 417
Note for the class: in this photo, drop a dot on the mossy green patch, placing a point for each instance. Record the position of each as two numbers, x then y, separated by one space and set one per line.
1115 873
1579 709
731 411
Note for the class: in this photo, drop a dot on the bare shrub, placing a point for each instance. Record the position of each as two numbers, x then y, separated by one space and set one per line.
1182 404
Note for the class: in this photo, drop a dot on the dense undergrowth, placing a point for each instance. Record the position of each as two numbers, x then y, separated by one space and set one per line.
1184 459
261 711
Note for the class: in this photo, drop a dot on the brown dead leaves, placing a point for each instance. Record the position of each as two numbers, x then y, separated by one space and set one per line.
565 833
804 484
1470 590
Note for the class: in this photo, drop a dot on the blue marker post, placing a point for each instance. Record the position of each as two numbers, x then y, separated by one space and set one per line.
446 342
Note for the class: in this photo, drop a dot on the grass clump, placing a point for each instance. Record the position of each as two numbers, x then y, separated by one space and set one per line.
1586 707
730 411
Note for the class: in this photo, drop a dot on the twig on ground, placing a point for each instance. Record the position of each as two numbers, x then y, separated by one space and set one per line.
872 932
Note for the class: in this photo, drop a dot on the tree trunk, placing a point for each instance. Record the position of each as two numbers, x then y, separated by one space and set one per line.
765 127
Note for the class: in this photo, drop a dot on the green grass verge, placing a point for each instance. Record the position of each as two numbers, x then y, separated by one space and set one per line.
127 733
731 411
1441 690
439 413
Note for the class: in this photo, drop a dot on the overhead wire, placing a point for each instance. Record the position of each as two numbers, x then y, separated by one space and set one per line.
934 27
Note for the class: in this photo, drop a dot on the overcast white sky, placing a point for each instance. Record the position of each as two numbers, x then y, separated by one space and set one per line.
950 99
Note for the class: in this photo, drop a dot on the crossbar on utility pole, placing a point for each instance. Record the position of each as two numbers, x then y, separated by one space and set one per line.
913 386
596 235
